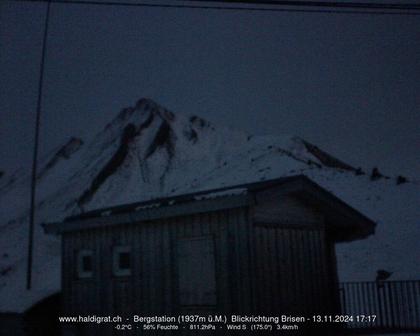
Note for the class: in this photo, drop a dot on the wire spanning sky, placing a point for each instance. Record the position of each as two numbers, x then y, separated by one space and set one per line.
348 83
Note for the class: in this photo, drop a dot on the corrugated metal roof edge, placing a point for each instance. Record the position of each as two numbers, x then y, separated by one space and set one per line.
149 214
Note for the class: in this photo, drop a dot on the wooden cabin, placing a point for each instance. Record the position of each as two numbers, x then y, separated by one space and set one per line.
263 248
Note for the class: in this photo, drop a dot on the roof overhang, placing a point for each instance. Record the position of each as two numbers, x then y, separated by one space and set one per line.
344 222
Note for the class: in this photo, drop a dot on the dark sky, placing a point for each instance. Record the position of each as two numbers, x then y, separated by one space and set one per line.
348 83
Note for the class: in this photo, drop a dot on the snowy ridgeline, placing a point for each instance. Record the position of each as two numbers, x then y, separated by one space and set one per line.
149 152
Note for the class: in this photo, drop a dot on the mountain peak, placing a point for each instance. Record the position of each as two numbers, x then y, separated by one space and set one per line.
144 109
146 103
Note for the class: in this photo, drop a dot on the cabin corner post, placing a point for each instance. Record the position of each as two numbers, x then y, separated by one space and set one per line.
334 306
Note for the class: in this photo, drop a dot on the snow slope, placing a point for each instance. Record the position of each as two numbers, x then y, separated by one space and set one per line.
148 152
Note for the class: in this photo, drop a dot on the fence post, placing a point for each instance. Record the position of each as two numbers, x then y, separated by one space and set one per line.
380 311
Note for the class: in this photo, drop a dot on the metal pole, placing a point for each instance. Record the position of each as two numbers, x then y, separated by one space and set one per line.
35 153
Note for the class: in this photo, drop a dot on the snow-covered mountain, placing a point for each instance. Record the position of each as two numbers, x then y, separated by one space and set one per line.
148 152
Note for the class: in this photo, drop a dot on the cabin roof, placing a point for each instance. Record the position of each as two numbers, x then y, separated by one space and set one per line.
353 224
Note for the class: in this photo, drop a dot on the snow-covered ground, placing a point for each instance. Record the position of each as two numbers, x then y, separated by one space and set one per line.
148 152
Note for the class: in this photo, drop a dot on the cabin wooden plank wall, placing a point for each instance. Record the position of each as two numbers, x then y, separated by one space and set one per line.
291 254
272 257
153 286
291 272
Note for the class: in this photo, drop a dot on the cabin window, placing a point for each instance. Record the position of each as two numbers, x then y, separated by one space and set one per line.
122 261
196 271
85 264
